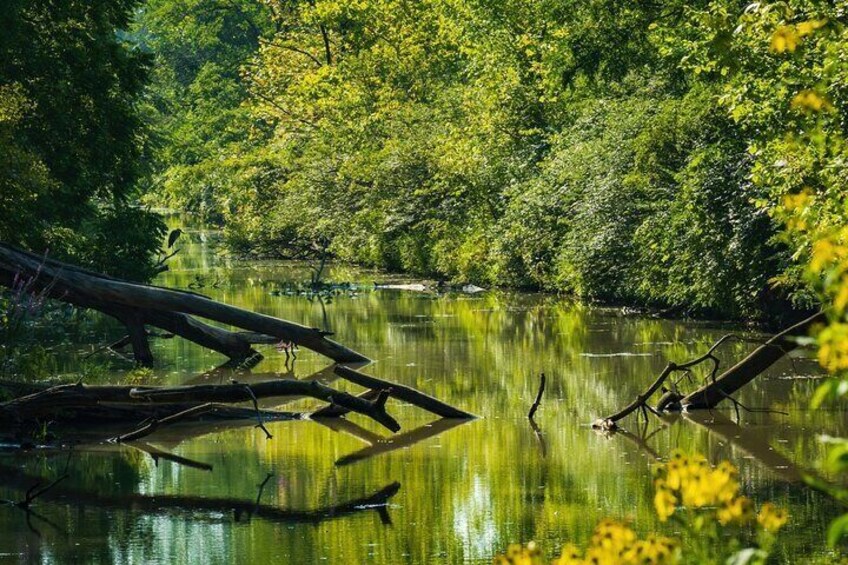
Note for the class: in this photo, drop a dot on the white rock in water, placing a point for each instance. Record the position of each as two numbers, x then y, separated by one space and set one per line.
471 289
415 287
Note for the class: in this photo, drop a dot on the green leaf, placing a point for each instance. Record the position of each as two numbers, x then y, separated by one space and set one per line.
824 392
838 528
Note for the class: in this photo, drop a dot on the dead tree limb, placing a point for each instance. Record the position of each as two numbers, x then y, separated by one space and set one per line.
641 401
611 422
162 307
335 411
538 401
719 387
746 370
239 393
405 393
49 401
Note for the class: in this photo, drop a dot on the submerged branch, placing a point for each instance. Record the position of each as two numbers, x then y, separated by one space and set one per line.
717 387
52 400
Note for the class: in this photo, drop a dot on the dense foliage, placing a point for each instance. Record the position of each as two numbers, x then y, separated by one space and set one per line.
207 142
792 94
573 146
70 136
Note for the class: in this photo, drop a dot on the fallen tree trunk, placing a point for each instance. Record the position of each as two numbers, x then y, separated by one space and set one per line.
746 370
137 304
334 411
49 402
718 387
402 392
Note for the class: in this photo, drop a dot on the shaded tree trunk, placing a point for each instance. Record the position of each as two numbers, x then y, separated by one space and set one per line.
136 304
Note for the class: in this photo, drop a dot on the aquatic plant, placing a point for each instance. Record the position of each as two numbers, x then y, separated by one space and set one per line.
20 308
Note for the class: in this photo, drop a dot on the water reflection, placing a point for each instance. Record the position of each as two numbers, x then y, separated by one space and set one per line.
399 441
468 489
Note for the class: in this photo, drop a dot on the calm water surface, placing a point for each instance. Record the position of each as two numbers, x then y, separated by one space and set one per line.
457 492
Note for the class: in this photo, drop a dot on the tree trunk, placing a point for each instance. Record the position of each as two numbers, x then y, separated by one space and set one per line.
405 393
162 307
746 370
52 400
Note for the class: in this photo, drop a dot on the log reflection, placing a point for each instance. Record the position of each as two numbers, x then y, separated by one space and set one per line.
401 441
191 506
755 441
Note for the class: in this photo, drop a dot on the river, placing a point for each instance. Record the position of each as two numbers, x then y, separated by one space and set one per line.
459 492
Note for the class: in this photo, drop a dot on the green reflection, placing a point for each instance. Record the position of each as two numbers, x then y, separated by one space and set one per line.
466 490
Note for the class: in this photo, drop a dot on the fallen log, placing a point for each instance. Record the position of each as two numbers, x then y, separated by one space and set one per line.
48 402
402 392
746 370
717 387
336 411
136 304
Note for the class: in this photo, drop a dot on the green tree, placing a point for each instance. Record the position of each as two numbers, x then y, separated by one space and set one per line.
206 142
71 136
571 146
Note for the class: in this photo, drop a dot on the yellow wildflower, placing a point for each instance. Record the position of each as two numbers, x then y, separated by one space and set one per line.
516 554
664 503
833 347
570 555
797 201
772 518
811 101
806 28
686 480
840 301
653 549
824 252
784 39
737 511
612 537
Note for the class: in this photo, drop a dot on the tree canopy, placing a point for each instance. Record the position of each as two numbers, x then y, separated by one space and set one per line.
584 147
71 135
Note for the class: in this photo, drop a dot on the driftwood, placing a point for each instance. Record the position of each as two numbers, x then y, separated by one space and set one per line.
538 401
336 411
717 387
121 413
401 392
137 305
763 357
191 400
